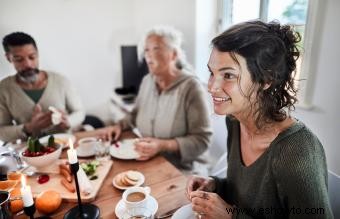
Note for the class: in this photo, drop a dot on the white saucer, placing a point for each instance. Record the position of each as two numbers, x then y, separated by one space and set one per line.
125 151
185 212
152 205
139 183
85 153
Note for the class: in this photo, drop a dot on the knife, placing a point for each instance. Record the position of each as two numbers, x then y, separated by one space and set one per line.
167 214
136 131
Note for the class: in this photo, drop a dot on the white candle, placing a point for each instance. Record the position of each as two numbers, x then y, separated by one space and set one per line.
26 193
71 153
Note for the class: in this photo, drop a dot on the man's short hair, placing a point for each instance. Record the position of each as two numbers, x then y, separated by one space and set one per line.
17 39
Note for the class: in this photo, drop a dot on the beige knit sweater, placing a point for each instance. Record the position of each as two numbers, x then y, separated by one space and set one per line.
16 106
180 112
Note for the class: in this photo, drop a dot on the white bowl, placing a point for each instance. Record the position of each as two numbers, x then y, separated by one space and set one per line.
43 160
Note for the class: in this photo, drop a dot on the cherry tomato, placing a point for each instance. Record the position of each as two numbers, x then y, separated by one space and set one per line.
43 179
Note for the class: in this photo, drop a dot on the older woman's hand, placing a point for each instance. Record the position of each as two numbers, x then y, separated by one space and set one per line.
199 183
210 205
148 147
109 132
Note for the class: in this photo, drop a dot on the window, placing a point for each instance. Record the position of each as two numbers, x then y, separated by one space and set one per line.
299 13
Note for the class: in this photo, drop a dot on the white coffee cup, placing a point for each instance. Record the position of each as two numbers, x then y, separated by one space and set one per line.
136 197
142 213
87 144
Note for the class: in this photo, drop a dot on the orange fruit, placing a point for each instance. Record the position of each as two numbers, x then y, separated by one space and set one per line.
48 201
16 205
14 175
8 185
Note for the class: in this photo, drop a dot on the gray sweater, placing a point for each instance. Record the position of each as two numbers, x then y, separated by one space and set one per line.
180 112
288 181
16 105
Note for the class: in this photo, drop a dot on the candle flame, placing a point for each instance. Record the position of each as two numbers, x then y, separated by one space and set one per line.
70 143
23 181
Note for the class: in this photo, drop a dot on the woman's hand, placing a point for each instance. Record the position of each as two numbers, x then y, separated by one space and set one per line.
199 183
210 205
148 147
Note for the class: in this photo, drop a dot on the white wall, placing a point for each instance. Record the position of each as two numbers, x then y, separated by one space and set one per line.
81 38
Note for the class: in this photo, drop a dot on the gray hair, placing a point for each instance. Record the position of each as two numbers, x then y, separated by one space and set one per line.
173 39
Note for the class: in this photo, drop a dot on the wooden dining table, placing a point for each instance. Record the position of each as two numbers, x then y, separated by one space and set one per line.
167 185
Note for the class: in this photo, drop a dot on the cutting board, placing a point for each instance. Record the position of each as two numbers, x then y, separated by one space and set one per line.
54 182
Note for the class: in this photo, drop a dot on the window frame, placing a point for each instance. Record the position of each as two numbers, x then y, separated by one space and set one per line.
307 73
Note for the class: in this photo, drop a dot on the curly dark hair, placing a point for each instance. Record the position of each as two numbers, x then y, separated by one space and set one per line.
270 50
17 39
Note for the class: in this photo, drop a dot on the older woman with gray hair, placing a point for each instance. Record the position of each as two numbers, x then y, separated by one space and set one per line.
171 112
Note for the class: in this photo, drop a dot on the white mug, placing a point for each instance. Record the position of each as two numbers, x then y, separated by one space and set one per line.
136 197
87 144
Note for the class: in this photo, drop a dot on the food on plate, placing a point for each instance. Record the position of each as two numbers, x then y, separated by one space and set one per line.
133 175
90 167
69 186
66 179
8 185
93 177
16 205
56 115
65 167
128 178
48 201
84 183
44 178
64 173
35 148
61 141
14 175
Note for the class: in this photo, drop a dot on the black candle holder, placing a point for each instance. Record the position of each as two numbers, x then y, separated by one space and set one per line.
82 211
29 211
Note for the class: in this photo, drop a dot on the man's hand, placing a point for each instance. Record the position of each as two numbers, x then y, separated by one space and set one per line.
64 123
39 120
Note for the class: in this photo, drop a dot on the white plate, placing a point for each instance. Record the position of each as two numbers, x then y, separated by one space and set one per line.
85 153
61 138
125 151
152 205
185 212
139 182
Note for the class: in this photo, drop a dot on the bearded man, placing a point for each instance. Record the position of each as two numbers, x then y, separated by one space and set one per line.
34 102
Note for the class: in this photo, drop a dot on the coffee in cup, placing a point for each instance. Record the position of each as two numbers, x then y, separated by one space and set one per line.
87 144
136 197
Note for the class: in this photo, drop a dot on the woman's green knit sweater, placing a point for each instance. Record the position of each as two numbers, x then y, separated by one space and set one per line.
289 180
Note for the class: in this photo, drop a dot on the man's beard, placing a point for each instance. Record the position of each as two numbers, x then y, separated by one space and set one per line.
28 75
